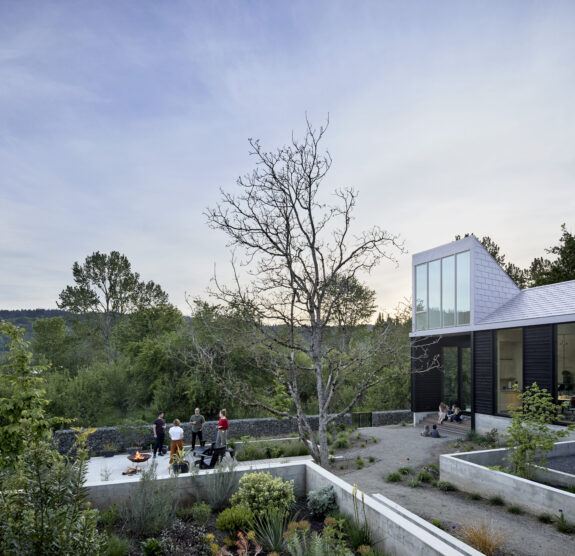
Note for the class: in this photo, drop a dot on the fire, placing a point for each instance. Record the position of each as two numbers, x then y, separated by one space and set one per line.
138 456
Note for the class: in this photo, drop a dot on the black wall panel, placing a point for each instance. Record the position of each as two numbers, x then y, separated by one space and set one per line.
539 357
483 372
425 384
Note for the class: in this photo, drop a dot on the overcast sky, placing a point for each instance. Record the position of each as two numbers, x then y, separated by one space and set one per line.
120 121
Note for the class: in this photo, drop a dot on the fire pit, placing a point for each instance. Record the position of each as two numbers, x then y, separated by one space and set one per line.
139 457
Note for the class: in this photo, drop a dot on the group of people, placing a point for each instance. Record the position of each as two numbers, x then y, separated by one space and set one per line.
176 432
444 414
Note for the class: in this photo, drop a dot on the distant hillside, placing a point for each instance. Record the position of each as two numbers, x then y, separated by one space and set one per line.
24 318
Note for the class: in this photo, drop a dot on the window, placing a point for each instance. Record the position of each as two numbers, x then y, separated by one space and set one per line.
509 368
566 368
443 292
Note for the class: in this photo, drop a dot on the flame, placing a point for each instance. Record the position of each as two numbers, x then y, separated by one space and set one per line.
137 455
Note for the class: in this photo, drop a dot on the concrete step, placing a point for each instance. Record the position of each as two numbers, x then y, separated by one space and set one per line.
447 427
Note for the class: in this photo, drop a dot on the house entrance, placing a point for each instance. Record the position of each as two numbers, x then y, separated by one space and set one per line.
456 361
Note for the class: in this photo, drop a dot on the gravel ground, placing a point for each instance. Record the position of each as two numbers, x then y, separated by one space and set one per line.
399 446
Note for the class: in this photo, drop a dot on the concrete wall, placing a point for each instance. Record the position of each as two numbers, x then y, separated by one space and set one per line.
125 437
468 473
484 423
398 531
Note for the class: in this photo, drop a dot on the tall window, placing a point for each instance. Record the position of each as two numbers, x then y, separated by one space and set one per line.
566 368
443 292
509 368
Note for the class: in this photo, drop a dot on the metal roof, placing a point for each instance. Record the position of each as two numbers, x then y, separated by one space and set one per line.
536 303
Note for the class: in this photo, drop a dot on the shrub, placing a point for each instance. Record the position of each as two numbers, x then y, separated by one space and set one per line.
371 459
394 477
108 518
405 470
374 440
260 492
445 486
342 441
151 547
199 513
496 501
152 507
234 519
436 522
185 539
269 529
517 510
425 477
116 546
320 502
544 518
483 537
475 496
220 484
562 525
414 483
360 464
433 468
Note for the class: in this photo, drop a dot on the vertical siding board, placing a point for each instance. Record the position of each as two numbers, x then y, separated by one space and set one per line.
482 362
538 356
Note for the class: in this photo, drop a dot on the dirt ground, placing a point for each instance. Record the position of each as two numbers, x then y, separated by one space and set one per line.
399 446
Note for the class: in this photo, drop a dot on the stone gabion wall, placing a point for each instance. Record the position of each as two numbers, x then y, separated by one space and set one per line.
127 437
382 418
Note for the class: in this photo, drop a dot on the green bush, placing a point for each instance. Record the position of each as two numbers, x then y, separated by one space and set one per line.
394 477
517 510
545 518
151 547
342 441
425 477
414 483
496 501
200 513
260 492
321 501
445 486
475 496
108 518
360 464
234 519
371 459
405 470
116 546
436 522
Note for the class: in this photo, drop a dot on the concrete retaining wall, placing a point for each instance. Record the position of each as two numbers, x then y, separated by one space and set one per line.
398 531
468 473
125 437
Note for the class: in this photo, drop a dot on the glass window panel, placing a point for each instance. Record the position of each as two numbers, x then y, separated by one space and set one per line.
566 369
421 297
448 290
463 288
509 368
434 280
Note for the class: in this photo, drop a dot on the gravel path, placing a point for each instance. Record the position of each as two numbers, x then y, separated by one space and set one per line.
399 446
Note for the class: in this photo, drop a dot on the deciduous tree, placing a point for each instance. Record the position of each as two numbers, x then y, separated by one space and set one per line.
304 265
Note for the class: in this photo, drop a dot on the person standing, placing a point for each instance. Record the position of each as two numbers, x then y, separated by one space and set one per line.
177 439
223 425
159 428
197 420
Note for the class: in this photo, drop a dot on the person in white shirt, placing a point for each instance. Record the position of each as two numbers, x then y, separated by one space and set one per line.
176 439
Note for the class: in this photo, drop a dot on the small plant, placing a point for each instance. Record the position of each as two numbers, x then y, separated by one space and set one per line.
269 529
342 441
405 470
437 523
200 513
362 444
516 510
151 547
545 518
446 486
341 466
562 525
374 440
185 538
414 483
357 530
234 519
331 452
105 473
220 484
360 464
260 492
394 477
496 501
108 518
371 459
571 489
425 477
475 496
116 546
331 460
433 468
483 537
358 436
321 501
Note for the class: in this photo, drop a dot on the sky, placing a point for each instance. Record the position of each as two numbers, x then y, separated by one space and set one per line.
121 121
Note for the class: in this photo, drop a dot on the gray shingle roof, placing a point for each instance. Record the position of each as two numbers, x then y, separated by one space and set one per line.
540 302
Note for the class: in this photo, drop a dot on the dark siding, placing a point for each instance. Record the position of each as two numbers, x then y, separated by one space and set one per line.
538 356
425 384
483 372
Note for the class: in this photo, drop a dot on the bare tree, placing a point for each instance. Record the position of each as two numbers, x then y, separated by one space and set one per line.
304 263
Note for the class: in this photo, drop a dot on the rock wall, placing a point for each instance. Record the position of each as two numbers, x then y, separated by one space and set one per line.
127 437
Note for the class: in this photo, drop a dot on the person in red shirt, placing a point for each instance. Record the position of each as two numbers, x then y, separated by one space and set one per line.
223 425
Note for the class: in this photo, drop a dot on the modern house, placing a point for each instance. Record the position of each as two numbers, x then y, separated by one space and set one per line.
476 334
